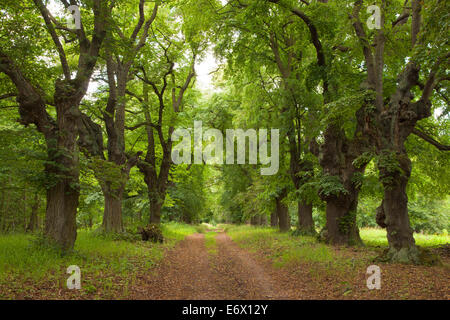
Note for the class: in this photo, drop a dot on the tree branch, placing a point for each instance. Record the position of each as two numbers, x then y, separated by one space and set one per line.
430 140
314 39
362 36
8 95
51 29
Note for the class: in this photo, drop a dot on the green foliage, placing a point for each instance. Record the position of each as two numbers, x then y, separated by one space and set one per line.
388 164
331 186
363 159
431 217
347 221
426 216
375 237
342 111
201 228
358 179
255 92
188 196
108 172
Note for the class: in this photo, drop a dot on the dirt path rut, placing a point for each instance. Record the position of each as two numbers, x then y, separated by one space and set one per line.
190 272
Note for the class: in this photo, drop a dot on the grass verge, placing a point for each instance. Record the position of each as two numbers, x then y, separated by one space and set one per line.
283 248
377 238
108 267
210 242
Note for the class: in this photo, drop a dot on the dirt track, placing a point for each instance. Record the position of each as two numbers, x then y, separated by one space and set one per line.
190 272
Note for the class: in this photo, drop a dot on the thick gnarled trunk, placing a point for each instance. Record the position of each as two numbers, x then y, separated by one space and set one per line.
112 215
395 124
393 214
60 219
62 170
337 156
60 134
341 220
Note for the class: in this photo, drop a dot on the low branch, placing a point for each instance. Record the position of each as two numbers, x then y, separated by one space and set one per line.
315 39
51 29
432 81
8 107
362 36
139 125
8 95
431 140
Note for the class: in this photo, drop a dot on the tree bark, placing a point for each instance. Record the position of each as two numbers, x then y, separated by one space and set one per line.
33 225
337 156
257 220
155 208
341 220
62 169
274 218
60 219
112 214
2 211
263 220
393 215
305 219
284 220
297 166
395 124
60 135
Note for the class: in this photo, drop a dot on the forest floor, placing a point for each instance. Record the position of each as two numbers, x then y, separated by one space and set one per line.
231 262
193 270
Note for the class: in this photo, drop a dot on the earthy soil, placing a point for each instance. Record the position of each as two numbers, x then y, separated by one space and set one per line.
193 271
190 272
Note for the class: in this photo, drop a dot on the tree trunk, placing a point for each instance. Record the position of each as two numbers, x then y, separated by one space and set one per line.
33 225
395 124
305 219
155 209
263 220
284 221
341 221
112 215
62 170
393 214
90 221
60 218
156 184
305 169
6 206
2 211
274 219
337 156
25 209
